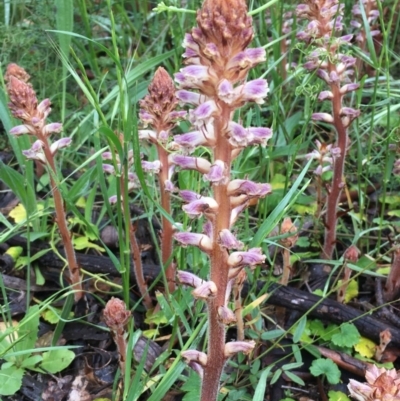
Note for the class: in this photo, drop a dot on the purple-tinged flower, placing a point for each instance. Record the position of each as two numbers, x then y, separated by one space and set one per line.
59 144
346 39
247 58
177 115
208 228
233 347
321 170
21 130
106 156
203 113
44 108
303 10
206 290
35 152
190 163
189 279
192 76
226 92
146 118
311 65
349 112
323 75
249 188
334 77
190 43
200 206
113 199
53 128
238 134
169 186
189 196
325 95
228 240
195 356
325 117
108 168
226 315
151 167
188 97
193 139
196 367
255 91
218 173
259 135
251 257
355 24
349 88
211 51
200 240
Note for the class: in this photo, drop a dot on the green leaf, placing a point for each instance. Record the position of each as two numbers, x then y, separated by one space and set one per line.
326 367
299 329
19 186
10 380
348 336
27 330
262 384
31 361
337 396
56 361
192 387
294 378
270 335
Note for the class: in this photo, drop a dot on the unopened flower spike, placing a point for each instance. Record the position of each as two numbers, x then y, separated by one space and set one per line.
158 111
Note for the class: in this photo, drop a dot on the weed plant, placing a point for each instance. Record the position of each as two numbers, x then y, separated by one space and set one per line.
95 61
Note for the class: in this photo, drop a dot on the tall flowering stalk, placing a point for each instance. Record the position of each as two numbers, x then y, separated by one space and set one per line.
335 69
158 112
214 83
24 106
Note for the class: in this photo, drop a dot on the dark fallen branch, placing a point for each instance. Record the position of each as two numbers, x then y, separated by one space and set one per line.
288 297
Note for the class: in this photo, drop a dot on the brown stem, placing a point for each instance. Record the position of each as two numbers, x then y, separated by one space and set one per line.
337 181
392 286
167 229
219 268
61 220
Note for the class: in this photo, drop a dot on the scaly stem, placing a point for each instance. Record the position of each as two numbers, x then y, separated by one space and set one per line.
167 230
219 268
337 181
61 220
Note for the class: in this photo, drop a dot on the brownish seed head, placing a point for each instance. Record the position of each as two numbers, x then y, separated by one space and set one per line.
116 316
226 24
23 101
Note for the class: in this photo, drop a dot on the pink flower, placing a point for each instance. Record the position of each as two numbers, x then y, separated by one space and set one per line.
200 240
233 347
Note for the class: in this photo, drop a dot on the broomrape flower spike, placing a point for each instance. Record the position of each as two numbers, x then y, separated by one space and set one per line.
213 84
323 34
24 106
158 110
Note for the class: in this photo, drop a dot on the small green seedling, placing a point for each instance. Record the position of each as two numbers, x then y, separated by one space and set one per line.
17 349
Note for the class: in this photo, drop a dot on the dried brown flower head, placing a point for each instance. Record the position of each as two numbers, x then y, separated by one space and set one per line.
116 316
383 385
23 102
